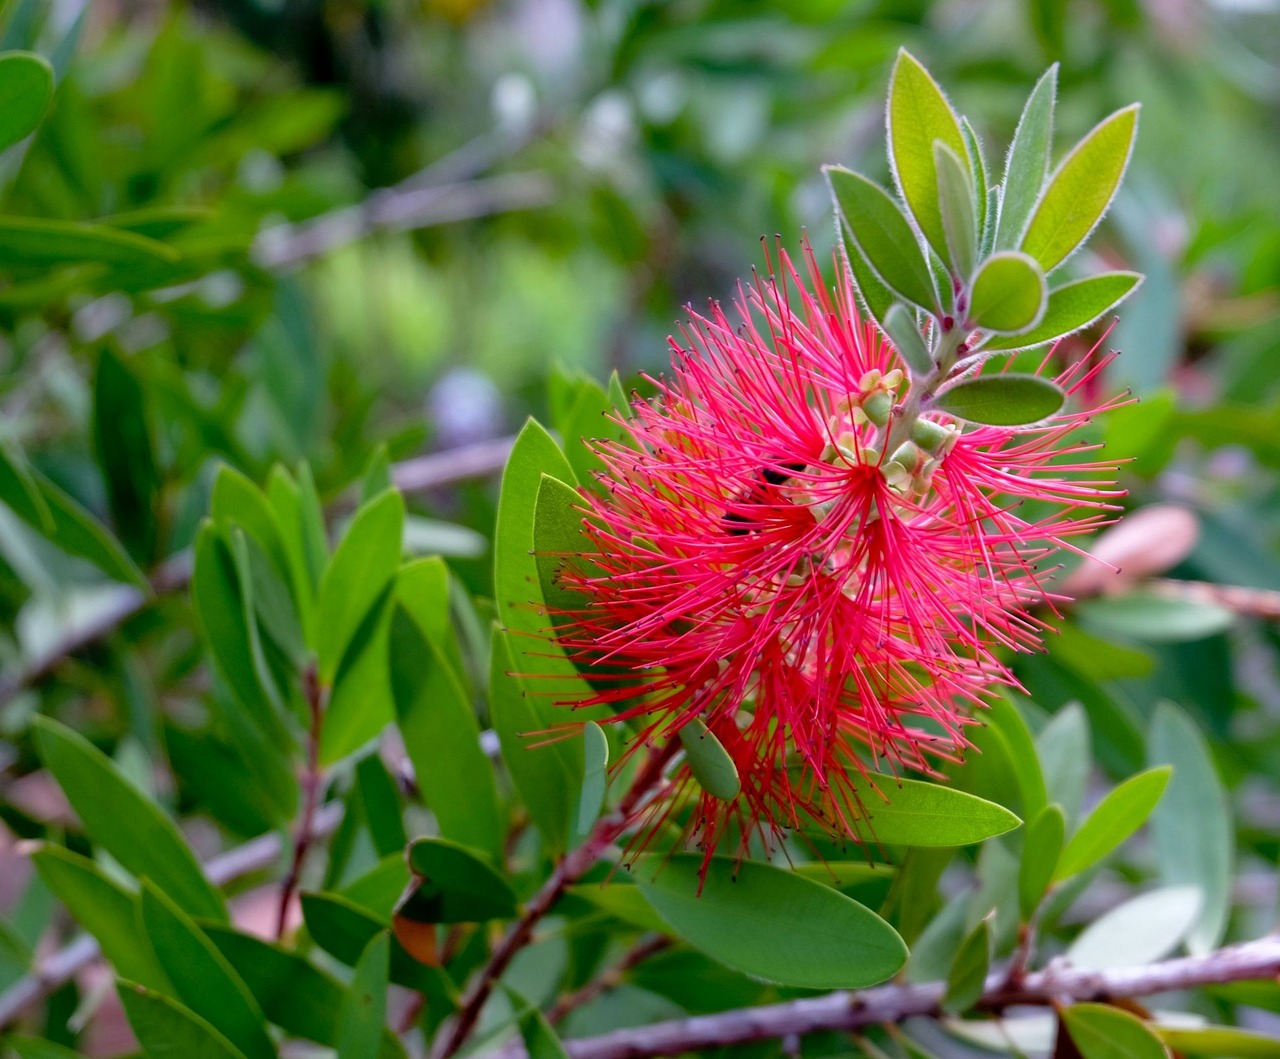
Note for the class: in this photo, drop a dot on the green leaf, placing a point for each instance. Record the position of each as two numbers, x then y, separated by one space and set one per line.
1070 308
771 924
123 821
903 331
361 570
1081 189
1226 1041
900 812
380 803
202 977
917 115
458 885
1104 1032
548 777
442 739
19 490
1009 294
124 449
1005 399
361 704
26 86
1005 716
709 761
959 209
1154 619
1116 817
540 1040
168 1030
981 185
236 501
1027 165
1141 930
595 776
295 995
28 242
882 233
1192 825
364 1009
874 297
968 973
1040 853
1063 747
103 908
39 1048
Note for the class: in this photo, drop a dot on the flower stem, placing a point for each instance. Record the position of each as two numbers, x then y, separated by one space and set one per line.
922 390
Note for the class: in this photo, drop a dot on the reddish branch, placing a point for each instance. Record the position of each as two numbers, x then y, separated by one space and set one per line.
312 782
846 1011
567 872
610 979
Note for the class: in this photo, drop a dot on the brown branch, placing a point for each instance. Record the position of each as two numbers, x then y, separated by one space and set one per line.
59 968
1248 602
312 781
567 872
846 1011
610 979
410 476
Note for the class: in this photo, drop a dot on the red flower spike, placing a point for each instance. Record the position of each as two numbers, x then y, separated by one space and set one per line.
825 608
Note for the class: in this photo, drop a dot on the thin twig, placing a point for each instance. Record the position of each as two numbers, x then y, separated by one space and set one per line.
1248 602
845 1011
60 967
312 781
410 476
400 208
610 979
567 872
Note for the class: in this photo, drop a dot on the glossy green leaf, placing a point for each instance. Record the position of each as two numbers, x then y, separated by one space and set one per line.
1009 294
103 908
123 821
1116 817
1040 853
364 1009
380 803
1141 930
1005 399
595 776
1081 189
901 812
29 242
968 973
883 234
1027 164
361 570
236 501
1070 308
709 761
122 439
1150 618
1104 1032
624 902
919 114
548 777
169 1030
1192 825
1063 747
295 995
202 978
422 589
903 331
959 209
458 884
442 739
1004 715
361 703
771 924
26 86
1212 1041
557 537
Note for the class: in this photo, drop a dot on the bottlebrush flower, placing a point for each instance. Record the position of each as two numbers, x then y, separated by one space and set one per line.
757 562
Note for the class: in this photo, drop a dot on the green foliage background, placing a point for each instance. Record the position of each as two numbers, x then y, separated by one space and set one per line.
337 238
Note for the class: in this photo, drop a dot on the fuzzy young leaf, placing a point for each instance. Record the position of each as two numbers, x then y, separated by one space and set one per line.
1081 190
981 181
959 209
917 115
709 762
1007 399
770 923
903 331
1009 294
1028 161
1116 817
1070 308
26 86
882 232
